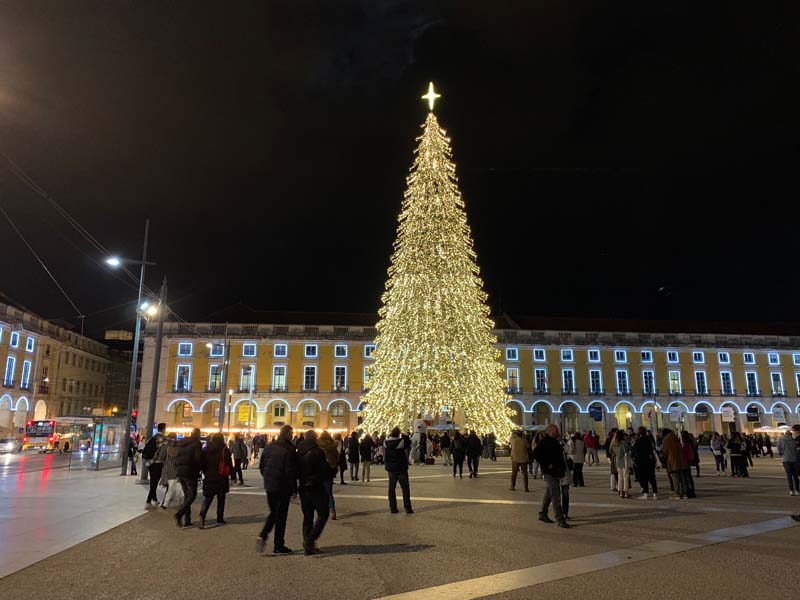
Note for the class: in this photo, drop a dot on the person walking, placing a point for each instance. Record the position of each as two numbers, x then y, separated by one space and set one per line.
610 444
676 462
216 464
690 454
240 453
738 462
328 446
789 451
395 461
622 459
341 444
550 455
717 447
353 455
153 465
169 477
519 459
644 463
313 470
365 449
768 445
474 450
459 454
133 454
566 480
577 452
536 466
278 467
187 467
423 448
444 445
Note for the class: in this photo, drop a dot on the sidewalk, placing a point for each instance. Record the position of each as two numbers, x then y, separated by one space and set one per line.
45 512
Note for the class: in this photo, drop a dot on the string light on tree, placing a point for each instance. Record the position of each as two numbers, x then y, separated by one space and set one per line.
435 349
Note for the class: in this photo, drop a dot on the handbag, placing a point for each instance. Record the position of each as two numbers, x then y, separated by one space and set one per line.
223 469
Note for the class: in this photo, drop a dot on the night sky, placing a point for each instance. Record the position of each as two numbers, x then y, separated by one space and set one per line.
625 159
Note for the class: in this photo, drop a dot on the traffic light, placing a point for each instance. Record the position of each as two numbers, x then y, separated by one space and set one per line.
133 416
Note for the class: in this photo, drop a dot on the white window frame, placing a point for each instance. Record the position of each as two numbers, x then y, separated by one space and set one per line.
546 388
627 390
283 387
29 341
776 356
698 357
311 409
277 354
279 405
749 355
539 355
307 348
599 389
368 350
336 349
337 387
797 381
596 351
512 354
182 354
364 378
780 392
249 345
564 387
722 390
305 371
724 358
796 359
217 350
646 356
515 370
670 353
211 379
620 356
567 355
698 391
25 375
669 383
747 383
652 374
14 341
188 385
252 375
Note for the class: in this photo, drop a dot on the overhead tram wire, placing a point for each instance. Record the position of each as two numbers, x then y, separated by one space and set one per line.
81 316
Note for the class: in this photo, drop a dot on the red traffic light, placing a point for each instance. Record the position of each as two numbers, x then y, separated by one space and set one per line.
133 412
30 423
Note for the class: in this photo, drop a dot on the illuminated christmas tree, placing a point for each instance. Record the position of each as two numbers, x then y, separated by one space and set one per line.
435 351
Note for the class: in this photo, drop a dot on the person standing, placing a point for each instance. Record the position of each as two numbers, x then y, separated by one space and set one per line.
738 462
588 444
423 447
689 452
365 448
313 470
474 450
519 459
644 463
133 453
768 445
328 446
217 465
341 447
492 444
395 462
789 451
577 452
717 447
187 467
240 452
444 444
152 464
353 455
536 467
676 462
459 454
550 455
169 477
622 458
278 467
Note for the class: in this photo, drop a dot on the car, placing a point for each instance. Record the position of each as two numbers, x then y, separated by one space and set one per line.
10 444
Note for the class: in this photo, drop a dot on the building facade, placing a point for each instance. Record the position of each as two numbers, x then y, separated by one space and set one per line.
48 371
578 374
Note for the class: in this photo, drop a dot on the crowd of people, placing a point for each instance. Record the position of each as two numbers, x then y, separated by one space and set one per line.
308 466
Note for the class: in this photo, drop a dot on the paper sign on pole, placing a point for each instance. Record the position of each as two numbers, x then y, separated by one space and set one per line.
675 413
778 414
727 414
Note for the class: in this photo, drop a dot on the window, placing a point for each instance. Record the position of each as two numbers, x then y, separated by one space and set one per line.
647 356
183 378
566 354
279 410
751 379
365 381
797 382
25 379
249 350
724 358
337 410
512 379
648 383
726 383
14 343
340 351
29 344
214 377
80 362
749 358
775 378
622 382
674 379
512 354
700 385
538 354
368 350
698 358
279 350
309 409
594 355
620 356
796 359
47 351
568 381
8 380
540 380
310 377
184 349
773 359
217 349
595 381
311 351
672 357
247 377
279 378
340 378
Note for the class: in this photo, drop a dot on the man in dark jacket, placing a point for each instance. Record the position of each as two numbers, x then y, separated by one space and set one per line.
474 450
187 468
278 466
313 470
395 461
240 453
550 455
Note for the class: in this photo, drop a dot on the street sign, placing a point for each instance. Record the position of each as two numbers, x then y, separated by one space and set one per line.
727 414
675 413
596 412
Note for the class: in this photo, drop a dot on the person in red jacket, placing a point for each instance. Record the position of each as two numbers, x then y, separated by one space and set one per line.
589 444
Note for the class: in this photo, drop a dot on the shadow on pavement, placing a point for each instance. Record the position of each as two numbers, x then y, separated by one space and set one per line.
376 549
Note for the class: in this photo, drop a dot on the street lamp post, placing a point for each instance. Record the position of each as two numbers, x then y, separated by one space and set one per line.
230 399
224 386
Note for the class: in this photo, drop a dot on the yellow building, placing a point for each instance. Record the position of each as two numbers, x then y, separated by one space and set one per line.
308 370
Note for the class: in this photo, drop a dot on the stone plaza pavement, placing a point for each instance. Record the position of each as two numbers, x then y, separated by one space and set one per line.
467 539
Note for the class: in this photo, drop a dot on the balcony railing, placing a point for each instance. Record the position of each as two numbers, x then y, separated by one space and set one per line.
25 387
246 390
701 393
779 394
569 391
541 391
676 393
8 384
182 388
754 393
313 390
623 392
597 392
44 389
342 389
213 388
278 389
513 389
649 392
727 392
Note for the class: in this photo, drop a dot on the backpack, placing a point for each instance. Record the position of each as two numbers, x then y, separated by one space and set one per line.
223 469
149 450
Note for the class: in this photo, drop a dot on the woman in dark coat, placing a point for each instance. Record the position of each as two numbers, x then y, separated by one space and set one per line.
341 447
216 464
459 446
353 455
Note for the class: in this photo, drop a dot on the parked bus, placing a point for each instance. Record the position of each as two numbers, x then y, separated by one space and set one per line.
40 435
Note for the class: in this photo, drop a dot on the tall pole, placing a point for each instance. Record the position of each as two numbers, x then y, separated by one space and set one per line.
224 389
151 407
126 434
250 400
